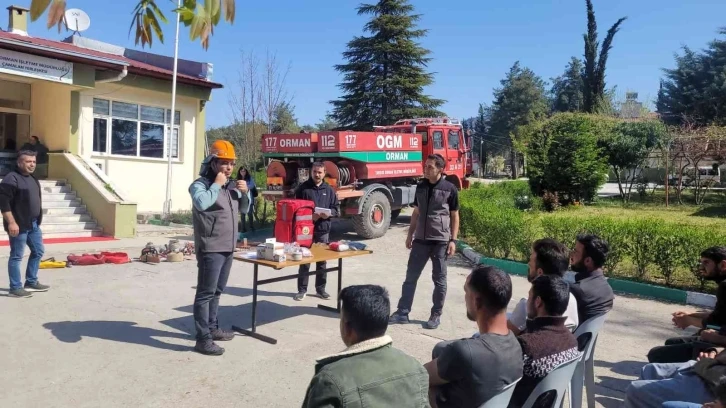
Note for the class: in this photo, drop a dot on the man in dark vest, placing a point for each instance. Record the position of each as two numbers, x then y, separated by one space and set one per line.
214 214
432 235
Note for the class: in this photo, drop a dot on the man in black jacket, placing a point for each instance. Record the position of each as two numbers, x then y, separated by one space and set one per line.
680 349
591 288
21 206
322 194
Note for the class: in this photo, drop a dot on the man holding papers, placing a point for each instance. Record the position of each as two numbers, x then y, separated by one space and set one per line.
322 194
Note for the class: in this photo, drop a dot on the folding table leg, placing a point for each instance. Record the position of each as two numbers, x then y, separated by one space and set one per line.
340 288
253 333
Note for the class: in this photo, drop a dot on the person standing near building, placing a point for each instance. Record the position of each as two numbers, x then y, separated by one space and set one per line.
22 209
214 214
247 212
322 194
432 235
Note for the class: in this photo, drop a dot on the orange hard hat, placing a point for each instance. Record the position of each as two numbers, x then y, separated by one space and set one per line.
223 150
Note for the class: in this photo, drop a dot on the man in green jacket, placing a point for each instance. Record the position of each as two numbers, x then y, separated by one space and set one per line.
369 372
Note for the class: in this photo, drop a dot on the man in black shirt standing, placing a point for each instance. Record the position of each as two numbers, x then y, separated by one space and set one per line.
322 194
21 206
591 289
431 235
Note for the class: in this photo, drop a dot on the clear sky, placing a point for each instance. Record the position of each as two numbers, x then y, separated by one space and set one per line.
473 42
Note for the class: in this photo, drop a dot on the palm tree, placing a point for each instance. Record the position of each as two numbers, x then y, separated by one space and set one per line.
594 75
147 17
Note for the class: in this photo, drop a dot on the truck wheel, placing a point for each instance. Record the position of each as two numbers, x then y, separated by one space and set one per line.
375 218
395 214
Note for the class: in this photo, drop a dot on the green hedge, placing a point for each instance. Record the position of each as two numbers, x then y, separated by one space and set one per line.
648 250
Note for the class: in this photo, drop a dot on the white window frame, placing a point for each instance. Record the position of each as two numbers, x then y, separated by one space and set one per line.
109 121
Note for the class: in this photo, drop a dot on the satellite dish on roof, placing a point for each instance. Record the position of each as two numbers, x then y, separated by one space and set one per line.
77 20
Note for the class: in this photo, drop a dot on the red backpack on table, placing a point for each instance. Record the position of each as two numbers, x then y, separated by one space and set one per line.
294 222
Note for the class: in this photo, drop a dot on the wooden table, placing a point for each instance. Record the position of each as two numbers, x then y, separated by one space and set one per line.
320 253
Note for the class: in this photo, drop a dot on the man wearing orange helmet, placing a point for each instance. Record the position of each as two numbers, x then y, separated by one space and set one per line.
215 211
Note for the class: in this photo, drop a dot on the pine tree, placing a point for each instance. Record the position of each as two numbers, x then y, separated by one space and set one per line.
594 72
693 91
566 94
519 102
384 77
327 123
284 120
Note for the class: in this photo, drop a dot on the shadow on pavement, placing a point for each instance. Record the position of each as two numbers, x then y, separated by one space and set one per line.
614 384
605 395
124 332
630 368
608 402
245 292
267 312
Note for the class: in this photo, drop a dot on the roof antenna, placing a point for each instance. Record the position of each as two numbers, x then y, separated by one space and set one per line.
76 20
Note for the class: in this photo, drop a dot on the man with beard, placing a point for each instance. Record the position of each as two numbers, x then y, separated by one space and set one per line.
547 258
322 194
546 343
215 200
591 289
432 235
681 349
466 373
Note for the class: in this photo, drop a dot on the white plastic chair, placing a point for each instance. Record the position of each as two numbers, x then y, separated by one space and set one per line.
584 376
501 399
557 380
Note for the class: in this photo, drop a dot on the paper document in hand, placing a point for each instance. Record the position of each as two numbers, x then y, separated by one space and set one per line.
320 210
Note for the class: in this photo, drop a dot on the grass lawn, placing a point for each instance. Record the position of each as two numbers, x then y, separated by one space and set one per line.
498 231
711 214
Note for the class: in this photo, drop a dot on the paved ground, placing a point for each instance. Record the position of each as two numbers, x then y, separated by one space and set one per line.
120 336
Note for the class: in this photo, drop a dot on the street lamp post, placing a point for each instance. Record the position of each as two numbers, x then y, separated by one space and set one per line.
172 117
481 158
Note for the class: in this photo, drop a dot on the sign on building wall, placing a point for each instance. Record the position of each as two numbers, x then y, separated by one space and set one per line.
18 63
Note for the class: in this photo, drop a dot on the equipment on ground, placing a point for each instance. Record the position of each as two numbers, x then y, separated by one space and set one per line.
51 263
373 173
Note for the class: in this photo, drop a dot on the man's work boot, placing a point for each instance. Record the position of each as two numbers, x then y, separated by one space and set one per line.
434 321
299 296
208 348
323 294
222 335
398 317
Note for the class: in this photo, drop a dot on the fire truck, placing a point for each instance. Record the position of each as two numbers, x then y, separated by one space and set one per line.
373 173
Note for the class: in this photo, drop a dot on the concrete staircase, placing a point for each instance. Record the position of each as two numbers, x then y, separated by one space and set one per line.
64 215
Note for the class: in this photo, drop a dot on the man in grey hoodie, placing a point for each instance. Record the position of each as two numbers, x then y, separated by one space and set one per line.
214 215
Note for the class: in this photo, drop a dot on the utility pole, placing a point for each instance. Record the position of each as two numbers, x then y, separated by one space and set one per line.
481 157
172 117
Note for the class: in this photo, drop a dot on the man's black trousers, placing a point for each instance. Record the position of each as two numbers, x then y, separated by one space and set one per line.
679 350
417 260
212 274
321 278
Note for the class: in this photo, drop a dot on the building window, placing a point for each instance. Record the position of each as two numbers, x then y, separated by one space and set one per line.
134 130
100 134
438 139
453 140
